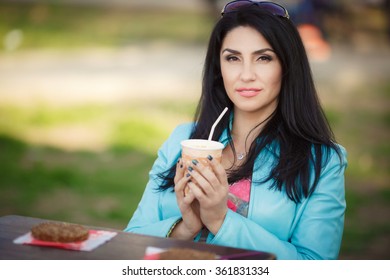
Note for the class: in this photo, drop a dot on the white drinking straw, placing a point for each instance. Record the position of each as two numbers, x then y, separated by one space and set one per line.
216 122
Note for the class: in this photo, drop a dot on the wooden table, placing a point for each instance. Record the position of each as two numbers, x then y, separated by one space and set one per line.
124 246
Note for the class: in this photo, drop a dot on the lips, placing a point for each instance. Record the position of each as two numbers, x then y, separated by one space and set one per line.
248 92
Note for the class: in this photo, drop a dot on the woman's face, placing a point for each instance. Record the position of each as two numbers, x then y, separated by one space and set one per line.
251 71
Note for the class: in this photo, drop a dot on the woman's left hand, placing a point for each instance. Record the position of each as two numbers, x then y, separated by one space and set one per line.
210 187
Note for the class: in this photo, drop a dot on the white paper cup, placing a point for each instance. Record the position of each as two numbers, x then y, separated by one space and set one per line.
200 149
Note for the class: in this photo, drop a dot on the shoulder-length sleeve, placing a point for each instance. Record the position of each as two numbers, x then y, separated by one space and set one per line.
148 218
316 231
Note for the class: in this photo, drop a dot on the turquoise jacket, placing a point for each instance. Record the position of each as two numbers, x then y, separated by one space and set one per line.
311 229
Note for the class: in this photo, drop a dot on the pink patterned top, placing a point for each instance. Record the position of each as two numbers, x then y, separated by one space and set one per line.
238 197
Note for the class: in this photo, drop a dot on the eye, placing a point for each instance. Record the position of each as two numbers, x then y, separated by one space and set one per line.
232 58
265 58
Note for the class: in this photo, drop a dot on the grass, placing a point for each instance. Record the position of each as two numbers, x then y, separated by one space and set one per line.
102 182
106 186
363 128
97 185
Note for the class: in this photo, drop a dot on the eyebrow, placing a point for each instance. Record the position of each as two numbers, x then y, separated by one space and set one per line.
255 52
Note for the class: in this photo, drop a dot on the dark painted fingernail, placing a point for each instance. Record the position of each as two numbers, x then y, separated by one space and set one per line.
195 162
210 157
181 165
190 168
188 175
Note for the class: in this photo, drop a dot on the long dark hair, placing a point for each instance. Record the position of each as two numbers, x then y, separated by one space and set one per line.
298 126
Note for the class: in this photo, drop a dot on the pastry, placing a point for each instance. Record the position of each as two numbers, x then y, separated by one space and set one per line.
59 232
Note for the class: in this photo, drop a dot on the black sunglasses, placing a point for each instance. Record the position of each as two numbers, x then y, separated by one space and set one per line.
271 7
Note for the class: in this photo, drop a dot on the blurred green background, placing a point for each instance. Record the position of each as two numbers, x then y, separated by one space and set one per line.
89 91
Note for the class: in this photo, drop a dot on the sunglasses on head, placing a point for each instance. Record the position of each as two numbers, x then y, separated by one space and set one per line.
271 7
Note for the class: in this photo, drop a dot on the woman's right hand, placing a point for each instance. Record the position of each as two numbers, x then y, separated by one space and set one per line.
191 224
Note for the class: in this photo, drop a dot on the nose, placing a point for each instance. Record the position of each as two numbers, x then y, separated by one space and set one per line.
248 72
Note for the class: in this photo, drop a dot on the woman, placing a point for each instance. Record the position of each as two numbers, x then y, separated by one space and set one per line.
280 185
